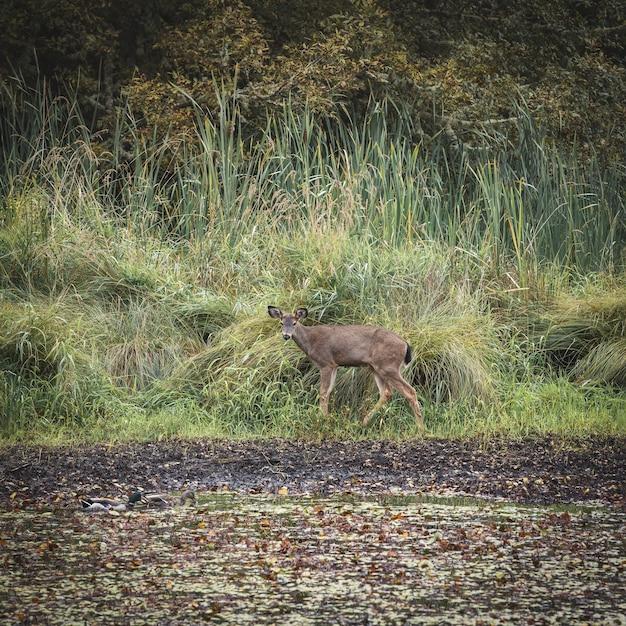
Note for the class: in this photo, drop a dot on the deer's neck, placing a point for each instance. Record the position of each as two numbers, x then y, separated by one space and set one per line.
301 337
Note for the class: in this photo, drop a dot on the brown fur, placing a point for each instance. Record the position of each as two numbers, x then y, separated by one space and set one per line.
355 346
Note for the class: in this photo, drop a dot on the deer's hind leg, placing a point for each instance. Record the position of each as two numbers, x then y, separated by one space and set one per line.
409 393
385 394
395 379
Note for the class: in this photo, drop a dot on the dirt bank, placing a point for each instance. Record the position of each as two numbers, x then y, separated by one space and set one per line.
533 471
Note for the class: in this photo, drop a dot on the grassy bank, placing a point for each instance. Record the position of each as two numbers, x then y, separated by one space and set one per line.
135 276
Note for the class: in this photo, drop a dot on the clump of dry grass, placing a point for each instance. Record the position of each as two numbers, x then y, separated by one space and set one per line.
585 336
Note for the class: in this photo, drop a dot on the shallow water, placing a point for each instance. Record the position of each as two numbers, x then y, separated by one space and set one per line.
284 559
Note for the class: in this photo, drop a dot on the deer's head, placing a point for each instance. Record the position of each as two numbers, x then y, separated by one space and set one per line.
288 321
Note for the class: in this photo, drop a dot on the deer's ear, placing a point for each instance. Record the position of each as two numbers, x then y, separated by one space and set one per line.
301 313
274 312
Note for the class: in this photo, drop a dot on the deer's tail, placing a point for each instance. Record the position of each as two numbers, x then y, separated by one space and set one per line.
408 355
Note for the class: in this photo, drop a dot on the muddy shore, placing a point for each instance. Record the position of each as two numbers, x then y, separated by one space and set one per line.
530 471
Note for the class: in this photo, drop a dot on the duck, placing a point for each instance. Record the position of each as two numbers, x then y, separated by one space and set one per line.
187 497
134 498
154 499
94 505
109 504
158 499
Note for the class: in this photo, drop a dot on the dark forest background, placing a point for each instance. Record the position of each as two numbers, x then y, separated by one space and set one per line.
458 67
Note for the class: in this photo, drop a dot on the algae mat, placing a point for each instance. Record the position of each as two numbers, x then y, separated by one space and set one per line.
297 560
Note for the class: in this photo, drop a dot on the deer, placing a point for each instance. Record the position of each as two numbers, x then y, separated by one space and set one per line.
330 347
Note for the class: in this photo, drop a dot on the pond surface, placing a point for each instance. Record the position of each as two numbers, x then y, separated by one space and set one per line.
295 560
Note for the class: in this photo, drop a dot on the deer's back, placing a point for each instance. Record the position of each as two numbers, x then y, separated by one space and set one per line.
355 345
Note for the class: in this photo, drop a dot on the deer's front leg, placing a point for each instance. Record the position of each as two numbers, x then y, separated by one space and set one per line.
327 382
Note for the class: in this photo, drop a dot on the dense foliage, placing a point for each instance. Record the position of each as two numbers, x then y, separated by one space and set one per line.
134 290
458 67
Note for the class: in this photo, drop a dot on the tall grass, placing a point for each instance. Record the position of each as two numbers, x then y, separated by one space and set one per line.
514 199
135 269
